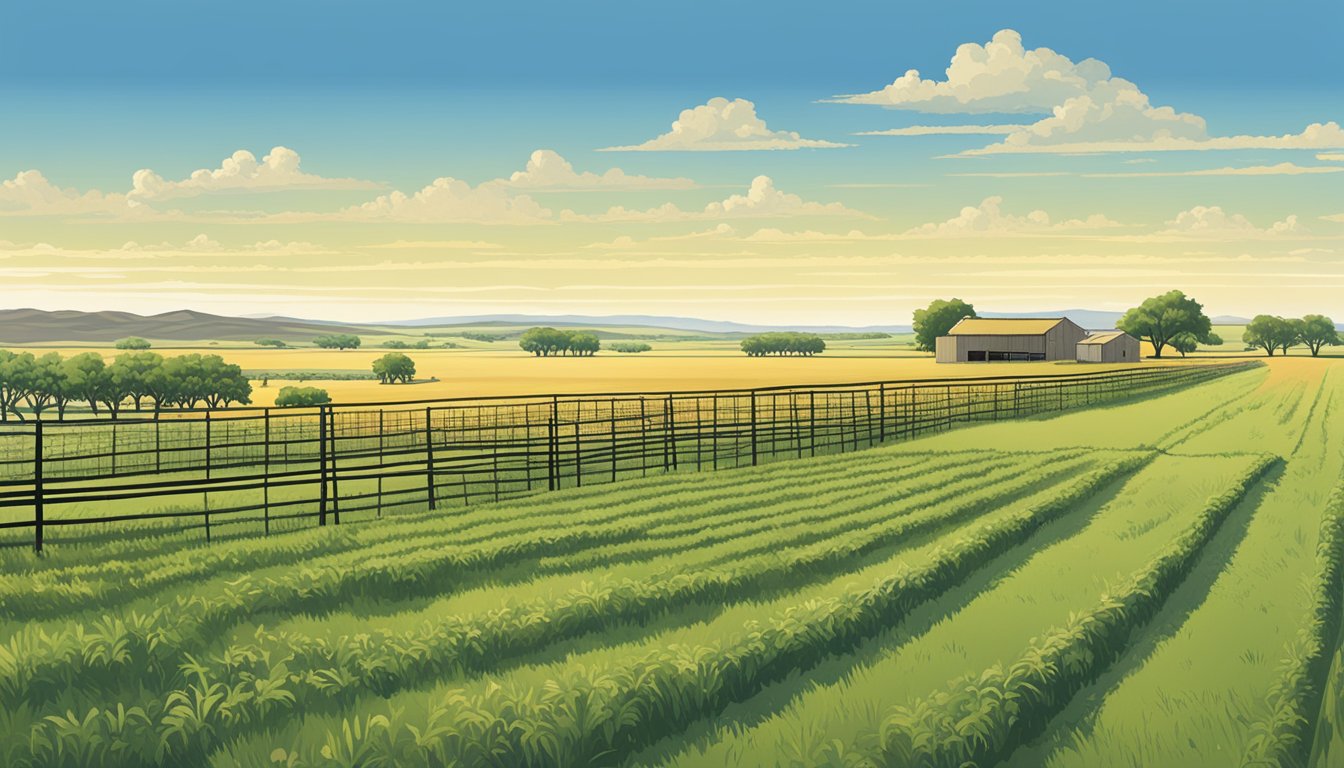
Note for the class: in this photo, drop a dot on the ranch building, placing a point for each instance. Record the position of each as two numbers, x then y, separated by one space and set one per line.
987 340
1109 347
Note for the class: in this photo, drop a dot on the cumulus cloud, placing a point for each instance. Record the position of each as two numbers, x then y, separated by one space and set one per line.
31 193
451 200
999 76
1213 221
988 218
546 169
1089 110
1334 217
1281 169
1334 157
762 200
239 172
723 125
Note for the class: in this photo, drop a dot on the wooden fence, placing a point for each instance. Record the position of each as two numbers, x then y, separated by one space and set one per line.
266 469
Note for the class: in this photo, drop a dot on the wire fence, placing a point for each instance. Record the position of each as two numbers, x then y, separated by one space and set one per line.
261 470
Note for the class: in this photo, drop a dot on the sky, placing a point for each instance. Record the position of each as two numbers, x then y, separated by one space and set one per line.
769 163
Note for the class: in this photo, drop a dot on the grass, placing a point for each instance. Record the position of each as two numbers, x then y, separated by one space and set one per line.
1027 593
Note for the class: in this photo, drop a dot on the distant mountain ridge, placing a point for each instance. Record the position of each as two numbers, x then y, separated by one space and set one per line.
24 326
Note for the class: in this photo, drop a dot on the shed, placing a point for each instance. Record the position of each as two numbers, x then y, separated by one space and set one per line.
987 340
1109 347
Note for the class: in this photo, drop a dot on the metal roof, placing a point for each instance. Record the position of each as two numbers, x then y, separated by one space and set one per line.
1105 337
1004 326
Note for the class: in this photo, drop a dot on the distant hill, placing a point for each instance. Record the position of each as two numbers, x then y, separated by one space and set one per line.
20 326
648 321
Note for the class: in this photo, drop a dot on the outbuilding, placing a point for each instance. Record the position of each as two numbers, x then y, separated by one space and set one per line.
1109 347
987 340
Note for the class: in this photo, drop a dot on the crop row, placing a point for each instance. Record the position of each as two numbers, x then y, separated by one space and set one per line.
587 712
979 719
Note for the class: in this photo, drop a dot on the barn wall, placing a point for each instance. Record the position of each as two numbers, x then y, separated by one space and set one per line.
1123 349
1061 342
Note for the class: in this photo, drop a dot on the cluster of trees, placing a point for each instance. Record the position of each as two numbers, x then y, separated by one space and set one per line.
277 343
338 341
394 368
132 342
476 336
1272 333
783 343
545 342
398 344
52 382
630 347
1171 319
291 397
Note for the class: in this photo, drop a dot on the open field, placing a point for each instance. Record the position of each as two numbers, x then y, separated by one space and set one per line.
1153 583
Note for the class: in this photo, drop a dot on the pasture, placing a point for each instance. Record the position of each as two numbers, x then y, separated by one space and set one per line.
1149 583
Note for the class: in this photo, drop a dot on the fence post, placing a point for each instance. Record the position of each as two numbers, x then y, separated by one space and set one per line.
381 459
667 434
753 427
322 464
714 430
335 466
429 457
613 439
39 513
553 445
881 413
158 449
113 427
266 471
207 445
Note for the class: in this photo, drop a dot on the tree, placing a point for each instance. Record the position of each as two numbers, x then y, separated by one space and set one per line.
1318 331
16 377
1186 342
630 347
394 367
338 341
1161 318
224 383
1269 333
86 379
46 385
544 342
783 343
132 342
583 344
937 319
130 374
301 396
1292 334
277 343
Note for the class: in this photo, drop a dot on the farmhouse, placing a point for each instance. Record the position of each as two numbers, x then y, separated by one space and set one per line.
1109 347
984 340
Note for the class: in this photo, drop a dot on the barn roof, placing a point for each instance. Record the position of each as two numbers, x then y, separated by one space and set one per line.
1004 326
1105 337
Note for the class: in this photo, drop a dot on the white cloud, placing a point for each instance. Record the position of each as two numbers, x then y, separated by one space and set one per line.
1334 157
723 125
546 169
945 130
239 172
988 218
762 200
1000 76
451 200
1213 221
1281 169
1089 110
409 245
773 235
1334 217
31 193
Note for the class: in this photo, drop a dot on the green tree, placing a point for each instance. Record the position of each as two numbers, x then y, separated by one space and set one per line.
783 343
129 375
937 319
85 379
1318 331
1268 332
544 342
224 383
338 341
277 343
132 342
1186 343
630 347
289 397
1161 318
583 344
16 378
46 385
394 367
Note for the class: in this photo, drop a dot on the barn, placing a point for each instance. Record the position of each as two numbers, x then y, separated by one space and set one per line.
987 340
1109 347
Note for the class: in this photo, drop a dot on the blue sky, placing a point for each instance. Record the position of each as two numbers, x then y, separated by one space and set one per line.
372 101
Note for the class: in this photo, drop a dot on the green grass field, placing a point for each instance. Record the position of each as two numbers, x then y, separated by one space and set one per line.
1155 583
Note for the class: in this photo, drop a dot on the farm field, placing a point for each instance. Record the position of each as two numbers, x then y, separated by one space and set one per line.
1152 583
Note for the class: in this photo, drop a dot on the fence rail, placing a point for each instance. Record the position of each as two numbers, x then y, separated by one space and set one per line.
222 472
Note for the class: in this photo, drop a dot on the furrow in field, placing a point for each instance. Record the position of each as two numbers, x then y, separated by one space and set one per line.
830 723
626 697
1211 683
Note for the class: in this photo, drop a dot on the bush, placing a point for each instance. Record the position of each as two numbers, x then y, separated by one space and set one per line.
631 347
277 343
132 342
301 396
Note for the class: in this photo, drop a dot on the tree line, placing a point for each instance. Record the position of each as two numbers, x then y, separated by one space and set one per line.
1273 333
51 382
548 342
783 343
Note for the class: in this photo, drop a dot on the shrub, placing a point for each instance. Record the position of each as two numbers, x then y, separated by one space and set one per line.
132 342
302 396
